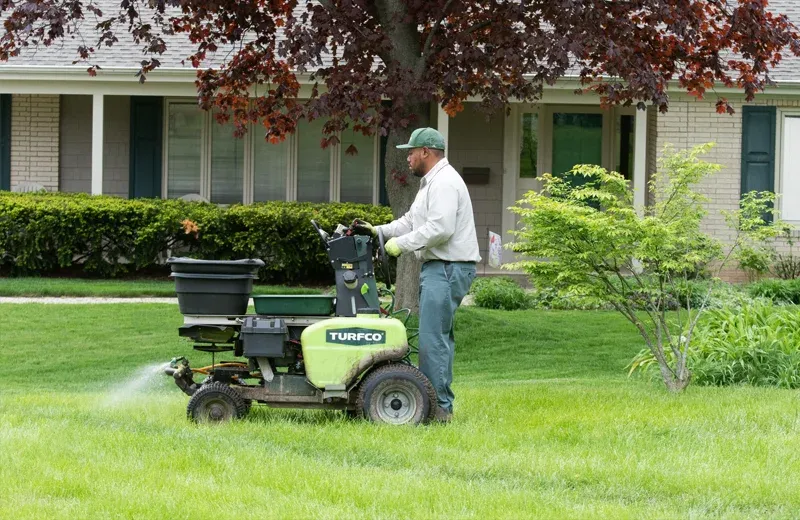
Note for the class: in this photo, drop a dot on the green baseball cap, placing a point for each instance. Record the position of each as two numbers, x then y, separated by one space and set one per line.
424 137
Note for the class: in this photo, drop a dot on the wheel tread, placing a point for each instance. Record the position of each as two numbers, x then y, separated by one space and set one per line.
397 367
239 403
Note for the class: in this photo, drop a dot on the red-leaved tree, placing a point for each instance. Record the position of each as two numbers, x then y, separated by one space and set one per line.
376 66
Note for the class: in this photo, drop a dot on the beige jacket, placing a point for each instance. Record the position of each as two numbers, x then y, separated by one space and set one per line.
440 224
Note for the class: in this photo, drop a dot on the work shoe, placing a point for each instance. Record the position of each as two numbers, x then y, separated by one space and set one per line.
442 416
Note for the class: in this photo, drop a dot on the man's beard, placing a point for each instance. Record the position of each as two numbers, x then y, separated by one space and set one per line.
419 171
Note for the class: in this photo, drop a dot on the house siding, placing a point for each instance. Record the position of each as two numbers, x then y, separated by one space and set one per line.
76 144
75 171
34 139
689 123
477 143
652 151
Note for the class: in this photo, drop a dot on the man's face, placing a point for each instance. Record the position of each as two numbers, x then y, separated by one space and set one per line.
416 158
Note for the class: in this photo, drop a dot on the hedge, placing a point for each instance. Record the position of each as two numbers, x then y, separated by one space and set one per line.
108 236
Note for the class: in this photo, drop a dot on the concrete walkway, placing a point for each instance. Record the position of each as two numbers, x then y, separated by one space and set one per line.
90 299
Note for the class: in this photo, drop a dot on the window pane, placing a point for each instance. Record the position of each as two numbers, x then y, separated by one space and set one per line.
528 156
790 196
358 171
313 163
184 143
227 164
577 139
623 146
270 169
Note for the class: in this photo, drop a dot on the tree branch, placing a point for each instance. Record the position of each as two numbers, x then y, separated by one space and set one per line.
479 26
429 41
328 6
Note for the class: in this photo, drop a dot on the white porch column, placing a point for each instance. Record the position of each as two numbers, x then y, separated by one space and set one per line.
97 144
443 124
511 149
639 161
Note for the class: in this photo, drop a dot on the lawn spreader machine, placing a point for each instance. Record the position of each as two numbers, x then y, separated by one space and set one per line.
347 351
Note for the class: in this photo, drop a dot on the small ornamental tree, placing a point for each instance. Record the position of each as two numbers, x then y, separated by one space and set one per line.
589 240
377 65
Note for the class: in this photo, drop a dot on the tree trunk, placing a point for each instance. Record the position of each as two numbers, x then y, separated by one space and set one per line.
674 382
677 385
402 187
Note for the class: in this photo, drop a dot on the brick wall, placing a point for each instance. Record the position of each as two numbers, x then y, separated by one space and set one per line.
76 144
475 142
689 123
34 139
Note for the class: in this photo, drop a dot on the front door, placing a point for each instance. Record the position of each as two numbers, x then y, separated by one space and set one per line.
554 138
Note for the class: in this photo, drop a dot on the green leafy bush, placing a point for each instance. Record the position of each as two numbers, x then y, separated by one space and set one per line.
551 299
109 236
582 234
712 294
756 344
779 291
499 292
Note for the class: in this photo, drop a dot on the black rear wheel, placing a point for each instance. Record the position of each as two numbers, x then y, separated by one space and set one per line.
396 394
216 402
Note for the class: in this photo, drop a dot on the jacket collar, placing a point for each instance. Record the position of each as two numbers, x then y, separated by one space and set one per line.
443 162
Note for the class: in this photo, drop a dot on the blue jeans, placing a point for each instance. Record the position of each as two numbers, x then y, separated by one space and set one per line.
442 287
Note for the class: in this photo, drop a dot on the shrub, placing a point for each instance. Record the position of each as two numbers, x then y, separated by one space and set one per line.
711 294
787 264
756 344
499 292
109 236
779 291
552 299
581 234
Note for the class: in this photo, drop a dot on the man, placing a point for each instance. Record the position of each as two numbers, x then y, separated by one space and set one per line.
440 230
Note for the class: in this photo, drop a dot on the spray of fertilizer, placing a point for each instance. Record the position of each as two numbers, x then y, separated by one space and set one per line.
145 379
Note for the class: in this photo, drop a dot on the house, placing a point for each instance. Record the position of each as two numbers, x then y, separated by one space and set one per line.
110 134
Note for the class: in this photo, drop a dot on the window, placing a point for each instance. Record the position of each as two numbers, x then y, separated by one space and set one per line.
623 145
529 154
790 168
313 164
554 138
357 182
184 143
227 164
204 157
270 168
577 139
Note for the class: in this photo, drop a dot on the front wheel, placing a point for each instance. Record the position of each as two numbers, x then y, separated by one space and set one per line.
396 394
216 402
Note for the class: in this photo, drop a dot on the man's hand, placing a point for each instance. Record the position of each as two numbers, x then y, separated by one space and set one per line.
363 224
391 247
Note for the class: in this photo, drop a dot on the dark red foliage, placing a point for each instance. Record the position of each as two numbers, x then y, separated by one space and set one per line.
359 53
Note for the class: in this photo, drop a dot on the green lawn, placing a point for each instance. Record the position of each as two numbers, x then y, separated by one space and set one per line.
115 288
547 426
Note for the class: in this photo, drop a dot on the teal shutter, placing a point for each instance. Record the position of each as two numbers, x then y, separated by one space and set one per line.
146 143
383 198
5 141
758 149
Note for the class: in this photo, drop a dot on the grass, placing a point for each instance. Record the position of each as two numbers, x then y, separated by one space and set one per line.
35 287
547 426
